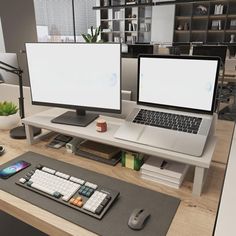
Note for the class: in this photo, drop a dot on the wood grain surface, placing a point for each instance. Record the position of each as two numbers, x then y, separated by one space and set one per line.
195 215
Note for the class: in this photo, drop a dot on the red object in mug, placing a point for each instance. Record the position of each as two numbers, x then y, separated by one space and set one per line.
101 125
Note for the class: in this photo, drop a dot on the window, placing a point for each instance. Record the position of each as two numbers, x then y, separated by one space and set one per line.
56 21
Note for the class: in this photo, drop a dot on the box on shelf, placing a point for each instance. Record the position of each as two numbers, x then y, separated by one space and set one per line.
132 160
170 173
233 24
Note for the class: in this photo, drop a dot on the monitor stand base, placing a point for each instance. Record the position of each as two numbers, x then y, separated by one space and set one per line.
72 118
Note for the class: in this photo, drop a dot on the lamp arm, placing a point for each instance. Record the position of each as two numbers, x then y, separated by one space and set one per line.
5 64
18 72
11 71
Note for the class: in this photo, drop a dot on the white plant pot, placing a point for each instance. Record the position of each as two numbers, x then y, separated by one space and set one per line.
9 122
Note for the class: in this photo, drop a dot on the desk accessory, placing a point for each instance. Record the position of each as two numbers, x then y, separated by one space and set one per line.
59 141
101 125
8 115
132 160
18 132
71 146
2 150
1 79
161 206
71 191
14 168
138 219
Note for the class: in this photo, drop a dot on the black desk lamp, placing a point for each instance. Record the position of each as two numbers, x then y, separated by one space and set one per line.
18 132
1 79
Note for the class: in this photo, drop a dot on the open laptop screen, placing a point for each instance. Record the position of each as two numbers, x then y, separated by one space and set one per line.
181 82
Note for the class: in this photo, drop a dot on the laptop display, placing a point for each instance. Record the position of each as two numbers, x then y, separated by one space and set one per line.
185 83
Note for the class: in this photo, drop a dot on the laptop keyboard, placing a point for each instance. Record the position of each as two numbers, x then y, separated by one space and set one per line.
172 121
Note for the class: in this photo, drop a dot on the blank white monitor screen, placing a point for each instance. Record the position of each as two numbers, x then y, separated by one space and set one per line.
75 74
184 83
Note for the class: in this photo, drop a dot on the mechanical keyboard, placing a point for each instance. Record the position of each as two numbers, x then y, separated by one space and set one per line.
182 123
72 191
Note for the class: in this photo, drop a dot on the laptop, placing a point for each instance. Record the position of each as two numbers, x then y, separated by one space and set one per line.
176 101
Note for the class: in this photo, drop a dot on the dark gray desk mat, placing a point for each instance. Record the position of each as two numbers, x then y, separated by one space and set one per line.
162 207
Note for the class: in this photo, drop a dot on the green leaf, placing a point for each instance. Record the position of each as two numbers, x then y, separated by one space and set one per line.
7 108
93 37
91 30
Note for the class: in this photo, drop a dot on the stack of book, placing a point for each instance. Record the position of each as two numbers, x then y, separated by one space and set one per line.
99 152
166 172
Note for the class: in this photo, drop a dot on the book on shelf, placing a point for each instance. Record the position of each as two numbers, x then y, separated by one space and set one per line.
216 25
134 27
171 168
166 172
162 177
130 2
99 149
106 30
160 181
219 9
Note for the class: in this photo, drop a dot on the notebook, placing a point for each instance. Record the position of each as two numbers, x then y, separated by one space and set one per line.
177 95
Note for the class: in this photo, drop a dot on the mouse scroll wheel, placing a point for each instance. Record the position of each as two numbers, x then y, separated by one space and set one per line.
139 212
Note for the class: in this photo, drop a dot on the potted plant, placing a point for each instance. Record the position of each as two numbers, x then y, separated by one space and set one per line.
8 115
93 37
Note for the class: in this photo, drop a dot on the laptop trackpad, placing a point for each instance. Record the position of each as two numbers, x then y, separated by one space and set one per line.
129 131
162 138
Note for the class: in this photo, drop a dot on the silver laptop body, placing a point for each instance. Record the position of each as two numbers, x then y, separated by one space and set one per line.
181 85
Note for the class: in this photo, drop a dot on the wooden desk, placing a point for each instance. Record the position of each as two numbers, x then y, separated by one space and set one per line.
195 215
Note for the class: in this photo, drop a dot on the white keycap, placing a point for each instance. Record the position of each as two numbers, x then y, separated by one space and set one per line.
51 183
42 188
91 185
22 180
94 201
62 175
77 180
50 171
69 195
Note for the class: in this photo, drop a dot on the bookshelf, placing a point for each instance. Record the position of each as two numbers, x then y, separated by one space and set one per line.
205 22
125 21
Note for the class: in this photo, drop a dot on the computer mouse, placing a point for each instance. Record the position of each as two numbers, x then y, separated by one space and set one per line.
2 150
138 218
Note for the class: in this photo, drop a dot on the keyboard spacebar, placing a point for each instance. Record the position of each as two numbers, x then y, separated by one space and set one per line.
42 188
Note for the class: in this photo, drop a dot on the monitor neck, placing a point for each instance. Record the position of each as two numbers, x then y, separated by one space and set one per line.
80 112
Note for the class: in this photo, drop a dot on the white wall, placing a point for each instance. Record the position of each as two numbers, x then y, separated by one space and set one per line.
162 23
2 44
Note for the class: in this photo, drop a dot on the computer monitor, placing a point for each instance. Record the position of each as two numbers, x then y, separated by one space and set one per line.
80 76
10 59
211 50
